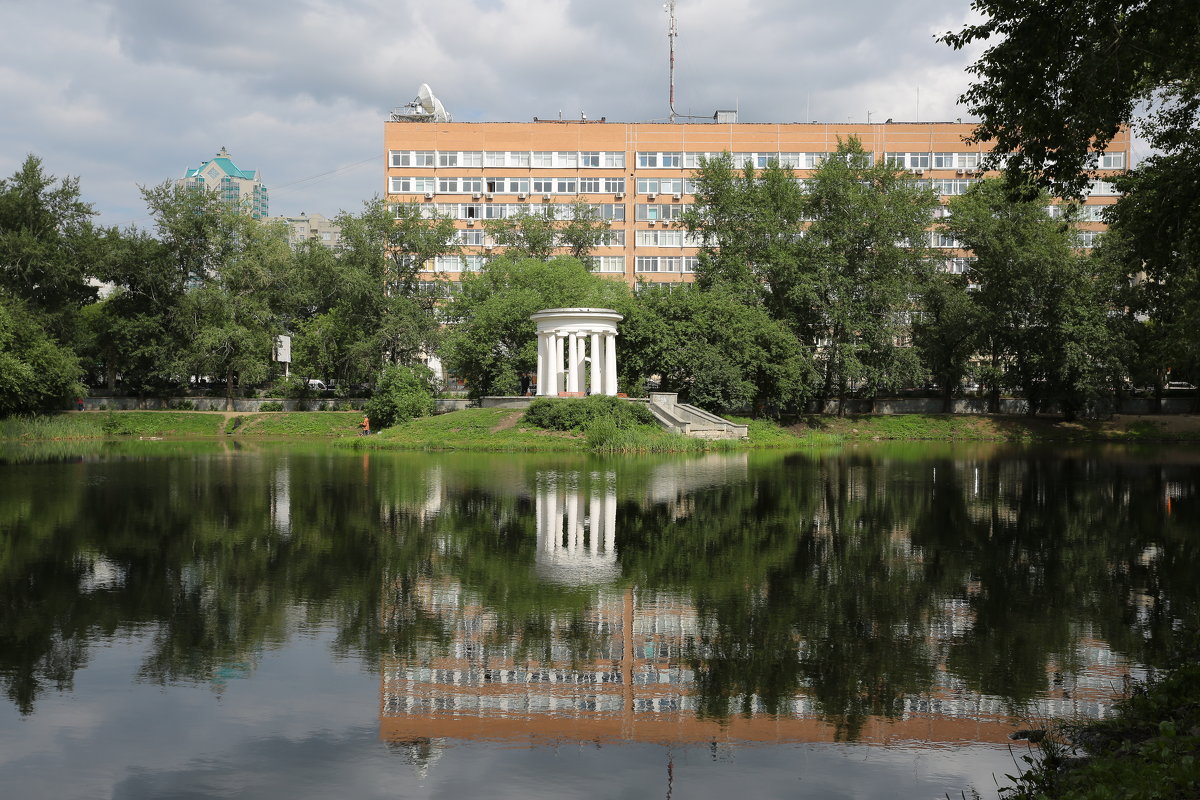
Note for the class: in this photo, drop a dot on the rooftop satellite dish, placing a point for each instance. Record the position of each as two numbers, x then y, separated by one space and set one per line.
424 108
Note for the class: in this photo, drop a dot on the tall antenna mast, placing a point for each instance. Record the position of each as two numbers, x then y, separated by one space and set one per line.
669 6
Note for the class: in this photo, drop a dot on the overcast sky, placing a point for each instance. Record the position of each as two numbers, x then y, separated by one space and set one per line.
122 93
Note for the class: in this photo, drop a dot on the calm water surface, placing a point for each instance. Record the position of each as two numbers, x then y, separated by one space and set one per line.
205 620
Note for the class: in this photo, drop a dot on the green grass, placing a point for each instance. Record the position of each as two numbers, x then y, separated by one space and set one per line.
299 423
98 425
470 429
998 428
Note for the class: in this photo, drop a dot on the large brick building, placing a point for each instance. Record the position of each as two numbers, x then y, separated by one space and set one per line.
637 177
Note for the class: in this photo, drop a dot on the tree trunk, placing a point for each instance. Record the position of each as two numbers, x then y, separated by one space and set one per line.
947 399
229 389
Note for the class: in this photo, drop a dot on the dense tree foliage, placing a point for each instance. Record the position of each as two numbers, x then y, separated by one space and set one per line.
1053 88
401 394
540 233
1043 307
492 340
1059 80
716 351
839 259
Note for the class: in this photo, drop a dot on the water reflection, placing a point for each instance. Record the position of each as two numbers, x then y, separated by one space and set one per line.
886 594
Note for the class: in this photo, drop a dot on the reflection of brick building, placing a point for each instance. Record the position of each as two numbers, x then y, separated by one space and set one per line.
621 670
639 688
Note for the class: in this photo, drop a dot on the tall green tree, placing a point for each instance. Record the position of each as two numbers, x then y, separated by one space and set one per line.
946 332
366 304
36 371
540 233
1044 307
47 246
236 272
492 340
1058 80
839 258
718 352
135 331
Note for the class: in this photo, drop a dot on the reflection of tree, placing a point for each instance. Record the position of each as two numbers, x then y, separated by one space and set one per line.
824 576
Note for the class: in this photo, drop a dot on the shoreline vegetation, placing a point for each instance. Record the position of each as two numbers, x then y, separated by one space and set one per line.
506 430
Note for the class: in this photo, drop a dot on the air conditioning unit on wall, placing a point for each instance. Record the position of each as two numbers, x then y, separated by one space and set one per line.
429 195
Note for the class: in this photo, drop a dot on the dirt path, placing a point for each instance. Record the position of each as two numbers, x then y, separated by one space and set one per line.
509 421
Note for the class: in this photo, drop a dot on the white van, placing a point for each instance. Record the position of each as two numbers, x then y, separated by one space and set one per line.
316 385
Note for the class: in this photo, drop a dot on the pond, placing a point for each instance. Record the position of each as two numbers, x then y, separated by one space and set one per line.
210 620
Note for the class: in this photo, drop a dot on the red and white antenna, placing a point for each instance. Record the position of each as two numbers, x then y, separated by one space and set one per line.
669 7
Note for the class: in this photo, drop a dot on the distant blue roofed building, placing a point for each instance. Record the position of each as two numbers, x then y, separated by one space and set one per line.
242 188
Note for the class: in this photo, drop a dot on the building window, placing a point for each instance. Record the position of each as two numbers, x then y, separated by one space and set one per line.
614 185
543 158
659 238
399 158
542 185
672 160
423 158
447 185
566 185
1112 161
447 159
494 158
608 264
568 159
938 239
1102 189
614 159
589 185
519 158
959 265
589 159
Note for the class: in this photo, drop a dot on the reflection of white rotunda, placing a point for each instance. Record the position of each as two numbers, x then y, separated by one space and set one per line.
570 339
577 528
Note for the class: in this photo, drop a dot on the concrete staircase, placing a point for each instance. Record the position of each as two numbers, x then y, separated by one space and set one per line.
692 421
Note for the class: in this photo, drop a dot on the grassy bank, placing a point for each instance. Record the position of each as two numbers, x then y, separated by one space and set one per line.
504 430
1150 748
499 429
177 424
1000 428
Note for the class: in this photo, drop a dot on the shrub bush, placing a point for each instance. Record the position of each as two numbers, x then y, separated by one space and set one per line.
580 414
271 406
401 393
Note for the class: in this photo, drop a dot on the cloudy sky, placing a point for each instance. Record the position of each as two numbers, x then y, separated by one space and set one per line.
122 93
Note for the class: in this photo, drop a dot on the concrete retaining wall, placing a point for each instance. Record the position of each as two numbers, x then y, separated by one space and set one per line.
241 404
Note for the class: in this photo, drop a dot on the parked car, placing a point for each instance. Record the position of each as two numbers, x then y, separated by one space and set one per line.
1179 385
316 385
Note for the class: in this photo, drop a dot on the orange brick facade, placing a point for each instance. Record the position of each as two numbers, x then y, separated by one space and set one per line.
637 176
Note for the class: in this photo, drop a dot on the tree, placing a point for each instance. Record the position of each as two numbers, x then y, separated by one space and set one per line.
236 272
529 234
946 332
136 331
36 372
371 306
838 259
1043 306
716 351
492 340
1062 79
47 246
1053 91
537 234
401 393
